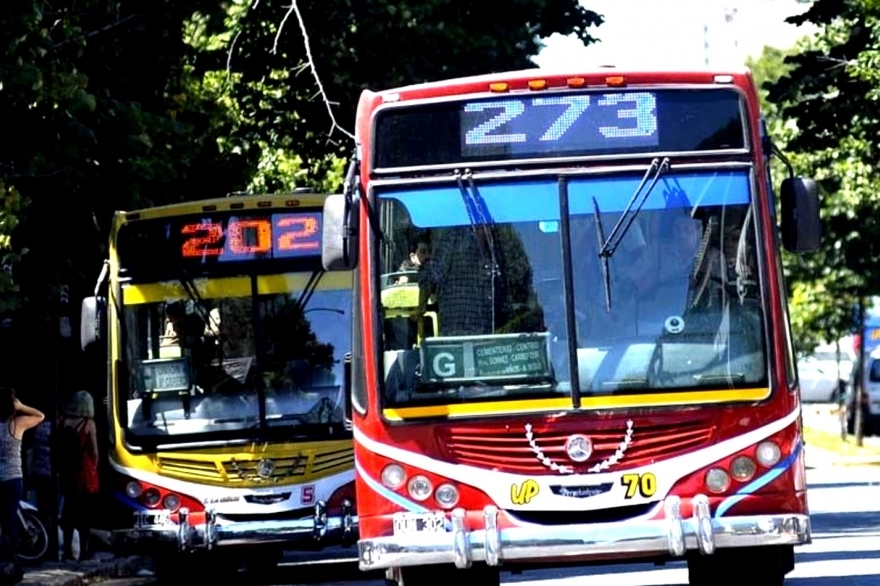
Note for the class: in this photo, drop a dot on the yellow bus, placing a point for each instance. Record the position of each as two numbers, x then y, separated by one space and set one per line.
228 347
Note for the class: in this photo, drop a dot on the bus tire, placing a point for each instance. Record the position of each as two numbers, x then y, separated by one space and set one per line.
774 561
476 575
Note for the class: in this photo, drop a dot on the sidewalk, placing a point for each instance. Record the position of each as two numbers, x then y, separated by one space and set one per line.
104 565
819 458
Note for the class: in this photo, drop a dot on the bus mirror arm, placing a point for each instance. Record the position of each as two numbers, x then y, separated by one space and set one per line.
799 202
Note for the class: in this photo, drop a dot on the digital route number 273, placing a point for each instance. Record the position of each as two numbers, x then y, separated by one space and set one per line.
638 108
284 233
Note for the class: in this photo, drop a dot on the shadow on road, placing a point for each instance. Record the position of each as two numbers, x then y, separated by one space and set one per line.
854 523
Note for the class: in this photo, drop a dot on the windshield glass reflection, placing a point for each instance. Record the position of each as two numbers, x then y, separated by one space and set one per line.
481 313
232 360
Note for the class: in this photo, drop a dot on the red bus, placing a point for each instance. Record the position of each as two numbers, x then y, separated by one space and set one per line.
571 341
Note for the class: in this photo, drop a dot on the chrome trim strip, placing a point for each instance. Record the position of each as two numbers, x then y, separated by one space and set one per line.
551 173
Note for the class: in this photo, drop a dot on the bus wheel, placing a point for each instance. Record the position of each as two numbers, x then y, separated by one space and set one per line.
771 564
476 575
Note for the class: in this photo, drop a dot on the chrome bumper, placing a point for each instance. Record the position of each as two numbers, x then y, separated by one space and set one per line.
187 536
672 536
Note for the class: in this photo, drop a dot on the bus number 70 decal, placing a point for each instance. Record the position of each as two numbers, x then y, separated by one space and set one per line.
645 485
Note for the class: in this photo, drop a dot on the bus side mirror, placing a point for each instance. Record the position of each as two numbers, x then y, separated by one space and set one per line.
801 225
339 238
92 318
346 389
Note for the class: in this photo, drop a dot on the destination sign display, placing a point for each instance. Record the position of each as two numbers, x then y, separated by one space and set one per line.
165 375
214 238
559 124
508 357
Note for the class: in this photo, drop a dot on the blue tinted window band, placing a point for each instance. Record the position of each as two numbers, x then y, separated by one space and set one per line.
538 200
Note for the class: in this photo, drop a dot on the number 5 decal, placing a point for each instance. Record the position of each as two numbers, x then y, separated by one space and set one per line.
307 496
645 485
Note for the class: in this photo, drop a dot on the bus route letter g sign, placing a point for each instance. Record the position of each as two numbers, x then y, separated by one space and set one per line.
507 357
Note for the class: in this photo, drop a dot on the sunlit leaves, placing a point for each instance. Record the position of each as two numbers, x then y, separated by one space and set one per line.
827 116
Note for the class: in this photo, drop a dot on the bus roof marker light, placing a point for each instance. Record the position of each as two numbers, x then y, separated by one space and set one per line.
537 84
391 97
576 82
615 81
499 86
723 79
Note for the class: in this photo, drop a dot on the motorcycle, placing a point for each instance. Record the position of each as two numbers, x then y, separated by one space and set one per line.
33 538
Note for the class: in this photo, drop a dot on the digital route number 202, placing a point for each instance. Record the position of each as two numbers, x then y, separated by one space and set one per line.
289 234
638 106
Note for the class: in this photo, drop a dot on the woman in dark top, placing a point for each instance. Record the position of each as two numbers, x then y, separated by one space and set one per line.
18 418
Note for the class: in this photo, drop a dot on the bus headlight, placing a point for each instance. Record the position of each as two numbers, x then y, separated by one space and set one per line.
742 468
446 496
393 476
152 497
717 480
768 454
171 502
420 487
133 489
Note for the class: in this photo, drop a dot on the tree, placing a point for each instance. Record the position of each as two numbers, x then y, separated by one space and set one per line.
831 94
262 70
111 105
828 119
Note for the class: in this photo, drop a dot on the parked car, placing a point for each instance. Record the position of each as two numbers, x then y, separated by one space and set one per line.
818 382
870 398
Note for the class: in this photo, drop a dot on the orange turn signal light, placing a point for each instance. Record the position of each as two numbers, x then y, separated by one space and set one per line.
537 84
500 86
576 82
615 80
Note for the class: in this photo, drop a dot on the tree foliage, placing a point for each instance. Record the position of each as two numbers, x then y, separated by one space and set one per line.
112 105
826 104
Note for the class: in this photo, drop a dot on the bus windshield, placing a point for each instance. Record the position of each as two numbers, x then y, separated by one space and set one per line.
233 353
481 311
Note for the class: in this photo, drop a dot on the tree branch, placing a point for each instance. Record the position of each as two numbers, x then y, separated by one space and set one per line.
91 34
294 9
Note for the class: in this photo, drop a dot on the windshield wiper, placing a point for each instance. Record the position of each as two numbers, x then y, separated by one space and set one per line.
606 273
309 290
608 246
478 214
657 168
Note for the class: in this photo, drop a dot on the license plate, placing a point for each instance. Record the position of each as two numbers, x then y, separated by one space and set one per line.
409 523
143 519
